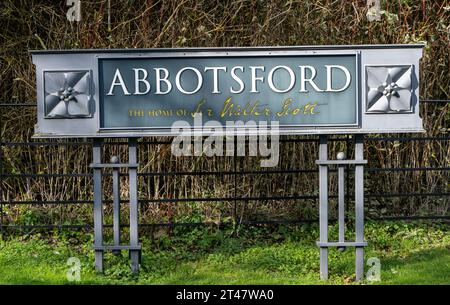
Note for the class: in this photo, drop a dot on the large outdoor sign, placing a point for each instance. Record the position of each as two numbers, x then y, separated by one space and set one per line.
303 90
285 90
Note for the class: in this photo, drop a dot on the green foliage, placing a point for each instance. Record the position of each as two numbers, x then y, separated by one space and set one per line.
410 253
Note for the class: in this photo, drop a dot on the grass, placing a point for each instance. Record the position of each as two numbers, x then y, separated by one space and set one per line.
414 253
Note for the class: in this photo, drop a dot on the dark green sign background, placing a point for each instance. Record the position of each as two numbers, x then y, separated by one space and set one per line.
292 108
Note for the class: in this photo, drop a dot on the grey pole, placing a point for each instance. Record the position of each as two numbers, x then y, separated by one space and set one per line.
116 204
134 239
98 206
323 206
341 198
359 205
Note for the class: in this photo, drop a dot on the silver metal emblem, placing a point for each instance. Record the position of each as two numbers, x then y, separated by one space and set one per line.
388 89
67 94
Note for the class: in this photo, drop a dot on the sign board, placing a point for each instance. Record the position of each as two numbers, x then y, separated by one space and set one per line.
305 90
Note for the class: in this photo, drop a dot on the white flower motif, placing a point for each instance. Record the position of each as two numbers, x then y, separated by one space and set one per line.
67 94
388 89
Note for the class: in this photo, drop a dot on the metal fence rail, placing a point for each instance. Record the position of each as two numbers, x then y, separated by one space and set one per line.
37 143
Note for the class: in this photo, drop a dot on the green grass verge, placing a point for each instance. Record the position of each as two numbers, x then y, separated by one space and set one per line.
413 253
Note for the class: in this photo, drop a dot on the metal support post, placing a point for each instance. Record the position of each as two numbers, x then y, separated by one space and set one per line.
134 239
341 243
341 198
116 204
359 205
134 247
323 206
98 206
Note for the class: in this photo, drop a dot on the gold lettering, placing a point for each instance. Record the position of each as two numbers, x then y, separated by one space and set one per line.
231 109
309 109
285 109
197 109
135 112
227 105
160 112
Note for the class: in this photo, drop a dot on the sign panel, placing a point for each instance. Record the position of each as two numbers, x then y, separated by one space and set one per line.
292 90
304 90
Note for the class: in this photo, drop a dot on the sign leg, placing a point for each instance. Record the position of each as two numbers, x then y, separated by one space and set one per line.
116 205
359 206
98 206
341 203
134 238
323 206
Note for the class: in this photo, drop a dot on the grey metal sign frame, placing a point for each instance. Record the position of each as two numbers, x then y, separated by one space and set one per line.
373 62
382 72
